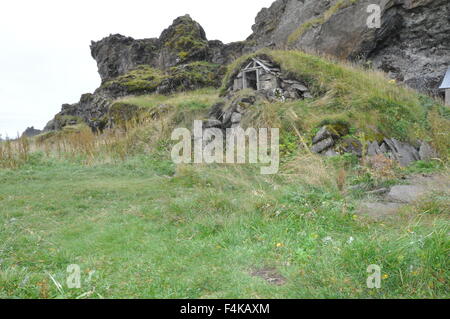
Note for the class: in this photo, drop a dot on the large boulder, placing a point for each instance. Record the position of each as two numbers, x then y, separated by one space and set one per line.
184 41
427 152
351 145
323 145
404 153
373 149
406 193
117 54
323 133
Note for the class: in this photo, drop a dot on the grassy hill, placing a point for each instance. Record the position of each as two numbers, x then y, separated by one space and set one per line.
115 203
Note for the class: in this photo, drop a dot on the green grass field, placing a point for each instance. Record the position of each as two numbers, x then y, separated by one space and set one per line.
139 226
149 231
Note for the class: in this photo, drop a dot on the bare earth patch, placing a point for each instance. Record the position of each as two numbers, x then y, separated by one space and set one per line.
271 275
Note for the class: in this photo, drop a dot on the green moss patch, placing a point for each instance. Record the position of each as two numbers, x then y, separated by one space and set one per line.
146 79
196 75
121 114
142 79
62 121
187 39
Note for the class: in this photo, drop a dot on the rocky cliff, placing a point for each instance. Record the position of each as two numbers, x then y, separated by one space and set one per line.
183 42
412 45
182 58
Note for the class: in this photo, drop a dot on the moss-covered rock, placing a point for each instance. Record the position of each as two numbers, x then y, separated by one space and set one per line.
144 79
191 77
66 131
350 145
124 114
61 121
187 39
336 128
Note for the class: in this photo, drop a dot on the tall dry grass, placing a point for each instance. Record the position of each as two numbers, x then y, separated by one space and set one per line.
440 130
311 169
14 153
86 145
80 143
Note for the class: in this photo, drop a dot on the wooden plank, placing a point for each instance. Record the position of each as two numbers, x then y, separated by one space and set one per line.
252 69
257 81
262 65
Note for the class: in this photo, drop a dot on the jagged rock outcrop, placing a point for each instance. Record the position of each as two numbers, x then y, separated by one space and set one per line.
90 110
403 153
183 42
30 132
331 140
412 45
182 58
117 54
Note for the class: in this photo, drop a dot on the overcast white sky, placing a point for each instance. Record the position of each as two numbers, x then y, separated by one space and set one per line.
45 59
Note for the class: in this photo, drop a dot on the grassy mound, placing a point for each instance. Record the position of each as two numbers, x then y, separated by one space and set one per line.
132 110
198 99
374 106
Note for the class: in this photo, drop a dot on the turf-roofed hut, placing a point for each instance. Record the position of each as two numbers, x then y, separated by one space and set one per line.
445 86
261 73
258 75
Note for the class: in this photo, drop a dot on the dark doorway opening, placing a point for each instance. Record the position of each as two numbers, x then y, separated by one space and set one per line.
251 80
